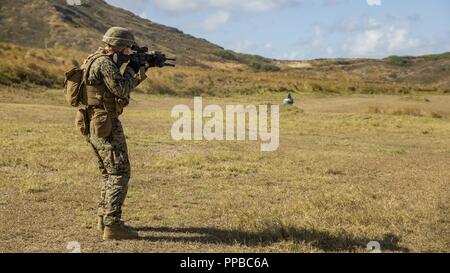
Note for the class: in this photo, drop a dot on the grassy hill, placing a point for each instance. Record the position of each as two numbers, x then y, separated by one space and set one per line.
53 23
40 39
28 67
431 70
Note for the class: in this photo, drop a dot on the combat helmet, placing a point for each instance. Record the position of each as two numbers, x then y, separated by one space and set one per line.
119 37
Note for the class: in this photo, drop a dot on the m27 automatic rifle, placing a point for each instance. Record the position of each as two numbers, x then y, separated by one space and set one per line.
148 59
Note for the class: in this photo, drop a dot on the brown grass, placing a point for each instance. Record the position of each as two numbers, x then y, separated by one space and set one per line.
25 68
28 67
342 177
406 111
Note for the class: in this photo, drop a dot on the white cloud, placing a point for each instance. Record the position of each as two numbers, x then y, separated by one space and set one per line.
220 10
367 42
244 46
249 5
330 51
214 21
374 2
317 40
215 13
373 23
397 39
143 14
383 41
177 5
257 5
290 55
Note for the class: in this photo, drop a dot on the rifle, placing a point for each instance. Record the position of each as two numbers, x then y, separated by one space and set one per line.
150 59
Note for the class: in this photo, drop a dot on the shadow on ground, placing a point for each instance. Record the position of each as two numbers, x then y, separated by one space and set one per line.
319 239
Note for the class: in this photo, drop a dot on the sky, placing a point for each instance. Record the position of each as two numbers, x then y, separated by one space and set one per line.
308 29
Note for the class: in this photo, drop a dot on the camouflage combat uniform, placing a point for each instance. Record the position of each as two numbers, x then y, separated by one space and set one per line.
112 151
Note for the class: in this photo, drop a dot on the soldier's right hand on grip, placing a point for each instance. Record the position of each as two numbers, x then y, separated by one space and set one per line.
134 65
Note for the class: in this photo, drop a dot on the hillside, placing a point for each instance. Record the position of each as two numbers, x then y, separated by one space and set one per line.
40 39
53 23
28 67
433 70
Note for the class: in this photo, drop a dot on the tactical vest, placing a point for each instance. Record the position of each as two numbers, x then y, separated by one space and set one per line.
98 95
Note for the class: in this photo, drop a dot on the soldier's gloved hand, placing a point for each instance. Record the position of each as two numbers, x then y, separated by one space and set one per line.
134 65
123 102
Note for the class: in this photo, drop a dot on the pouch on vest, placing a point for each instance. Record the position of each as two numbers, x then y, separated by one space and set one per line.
75 82
101 123
73 86
82 122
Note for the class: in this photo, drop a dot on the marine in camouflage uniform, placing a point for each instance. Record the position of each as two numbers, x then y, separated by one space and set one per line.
111 150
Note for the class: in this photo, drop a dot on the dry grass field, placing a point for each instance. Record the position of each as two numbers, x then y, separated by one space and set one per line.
364 153
349 170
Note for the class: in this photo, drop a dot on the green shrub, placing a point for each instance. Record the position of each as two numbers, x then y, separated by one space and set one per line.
225 54
255 65
264 67
269 68
195 91
398 60
343 62
316 87
5 78
435 57
255 58
158 87
372 90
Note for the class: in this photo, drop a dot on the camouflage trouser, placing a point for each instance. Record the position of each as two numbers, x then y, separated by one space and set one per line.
112 154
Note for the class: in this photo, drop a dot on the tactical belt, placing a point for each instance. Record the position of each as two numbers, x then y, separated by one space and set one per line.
95 94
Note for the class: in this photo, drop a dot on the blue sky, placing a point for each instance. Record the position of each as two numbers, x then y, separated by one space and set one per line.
308 29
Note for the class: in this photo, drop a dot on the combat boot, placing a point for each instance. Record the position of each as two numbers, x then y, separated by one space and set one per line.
100 224
118 231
